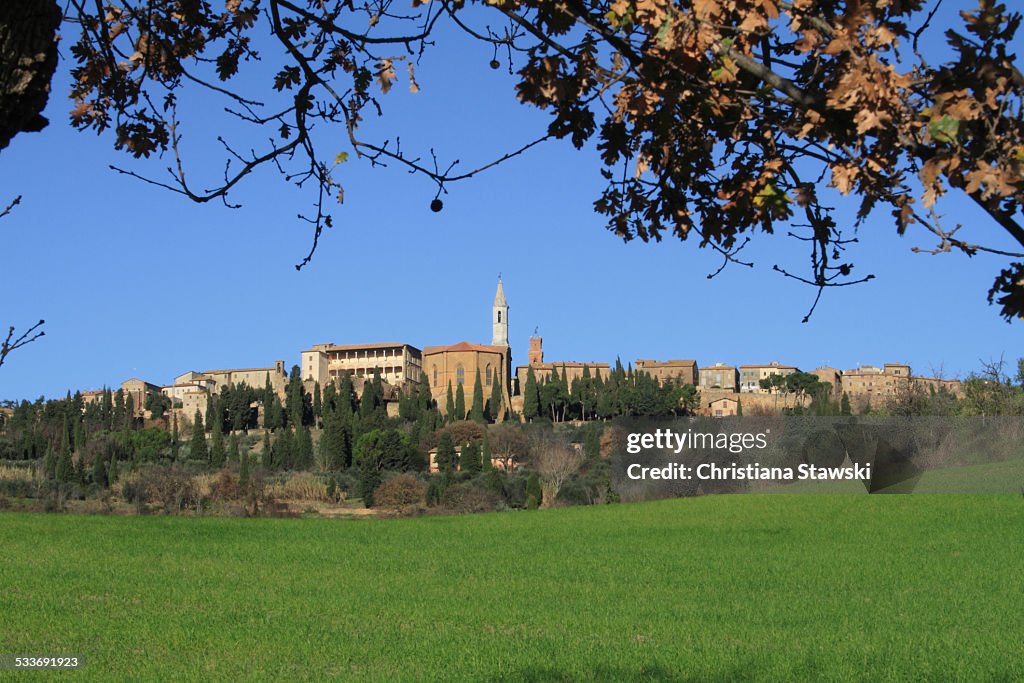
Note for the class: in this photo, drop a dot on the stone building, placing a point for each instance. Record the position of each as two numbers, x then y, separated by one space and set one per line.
457 364
684 371
138 389
751 375
832 377
869 381
397 363
571 370
723 407
719 376
254 377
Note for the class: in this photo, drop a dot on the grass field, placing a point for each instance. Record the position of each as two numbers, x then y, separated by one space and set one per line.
827 587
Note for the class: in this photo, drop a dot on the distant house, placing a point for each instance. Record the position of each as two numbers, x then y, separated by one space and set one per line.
723 407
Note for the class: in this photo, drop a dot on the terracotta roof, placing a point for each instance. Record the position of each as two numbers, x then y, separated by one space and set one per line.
770 365
356 347
564 364
222 372
463 346
136 379
664 363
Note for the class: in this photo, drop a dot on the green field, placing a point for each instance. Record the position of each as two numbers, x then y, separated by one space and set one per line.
826 587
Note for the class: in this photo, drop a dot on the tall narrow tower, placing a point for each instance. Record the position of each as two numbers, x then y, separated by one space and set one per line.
499 317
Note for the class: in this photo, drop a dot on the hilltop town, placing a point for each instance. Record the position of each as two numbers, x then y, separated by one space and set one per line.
724 389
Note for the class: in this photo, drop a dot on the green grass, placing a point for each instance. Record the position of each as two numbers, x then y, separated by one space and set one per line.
994 477
744 587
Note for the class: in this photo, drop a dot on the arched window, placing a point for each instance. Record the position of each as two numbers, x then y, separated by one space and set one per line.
460 375
435 375
499 316
488 375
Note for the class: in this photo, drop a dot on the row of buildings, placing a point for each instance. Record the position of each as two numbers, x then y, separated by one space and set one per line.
403 365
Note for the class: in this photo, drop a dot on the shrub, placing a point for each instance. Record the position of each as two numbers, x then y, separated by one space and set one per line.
225 487
465 497
401 491
300 486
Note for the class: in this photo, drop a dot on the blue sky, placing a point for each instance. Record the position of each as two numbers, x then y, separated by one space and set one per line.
135 281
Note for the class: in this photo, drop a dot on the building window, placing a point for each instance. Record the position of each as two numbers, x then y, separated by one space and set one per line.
488 375
499 316
435 375
460 375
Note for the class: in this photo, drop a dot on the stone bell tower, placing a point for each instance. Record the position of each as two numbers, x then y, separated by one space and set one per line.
499 317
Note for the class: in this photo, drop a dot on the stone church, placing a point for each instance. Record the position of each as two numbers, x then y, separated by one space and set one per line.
458 364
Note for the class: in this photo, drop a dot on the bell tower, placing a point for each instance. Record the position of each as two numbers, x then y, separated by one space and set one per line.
536 351
499 317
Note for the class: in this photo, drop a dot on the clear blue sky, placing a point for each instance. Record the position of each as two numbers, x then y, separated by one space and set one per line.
135 281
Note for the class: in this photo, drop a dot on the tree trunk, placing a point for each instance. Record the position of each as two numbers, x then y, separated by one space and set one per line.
28 58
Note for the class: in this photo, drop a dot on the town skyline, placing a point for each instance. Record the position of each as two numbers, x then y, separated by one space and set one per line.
403 364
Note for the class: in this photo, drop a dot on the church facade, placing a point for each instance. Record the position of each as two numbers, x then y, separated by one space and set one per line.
456 365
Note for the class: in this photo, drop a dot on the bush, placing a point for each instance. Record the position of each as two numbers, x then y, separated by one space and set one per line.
401 491
171 486
225 487
465 497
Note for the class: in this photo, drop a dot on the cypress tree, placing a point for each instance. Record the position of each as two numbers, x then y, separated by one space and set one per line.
65 469
739 407
446 454
531 398
449 404
460 403
303 449
494 404
79 468
198 450
129 412
50 464
210 411
117 416
217 453
332 442
268 453
317 405
469 459
243 469
423 396
175 438
268 401
99 471
106 408
79 435
296 396
485 454
284 451
844 405
112 473
65 439
233 449
346 395
368 402
533 492
476 413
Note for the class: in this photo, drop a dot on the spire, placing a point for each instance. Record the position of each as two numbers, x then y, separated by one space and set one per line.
499 296
499 317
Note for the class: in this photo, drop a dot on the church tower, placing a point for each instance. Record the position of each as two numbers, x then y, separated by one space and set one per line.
499 317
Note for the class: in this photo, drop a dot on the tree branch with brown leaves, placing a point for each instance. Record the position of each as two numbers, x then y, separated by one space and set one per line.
707 113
